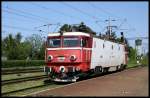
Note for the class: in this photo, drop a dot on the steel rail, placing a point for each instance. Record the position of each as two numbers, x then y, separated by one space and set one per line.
11 81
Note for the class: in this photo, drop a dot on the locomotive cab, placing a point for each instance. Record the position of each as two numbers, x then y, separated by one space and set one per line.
67 55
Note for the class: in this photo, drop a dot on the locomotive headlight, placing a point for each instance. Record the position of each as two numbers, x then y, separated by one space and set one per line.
73 57
50 57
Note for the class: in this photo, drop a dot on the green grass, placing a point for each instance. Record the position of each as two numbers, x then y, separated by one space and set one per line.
21 75
22 63
22 67
22 85
28 84
145 61
30 91
132 63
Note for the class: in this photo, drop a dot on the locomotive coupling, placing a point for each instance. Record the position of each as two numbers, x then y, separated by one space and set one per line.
62 69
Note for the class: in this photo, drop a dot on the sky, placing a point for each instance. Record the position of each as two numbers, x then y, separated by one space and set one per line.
29 17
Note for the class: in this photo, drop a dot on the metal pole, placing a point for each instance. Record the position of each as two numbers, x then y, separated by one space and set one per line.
48 28
135 51
109 27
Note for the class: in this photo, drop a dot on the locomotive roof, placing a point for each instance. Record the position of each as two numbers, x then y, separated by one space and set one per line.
78 34
70 34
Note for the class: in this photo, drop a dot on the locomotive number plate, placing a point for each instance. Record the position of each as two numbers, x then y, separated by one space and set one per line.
61 59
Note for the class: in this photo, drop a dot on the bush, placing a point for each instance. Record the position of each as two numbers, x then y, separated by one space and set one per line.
145 60
22 63
133 62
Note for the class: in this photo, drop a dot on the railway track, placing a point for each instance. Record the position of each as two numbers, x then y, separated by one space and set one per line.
4 82
42 79
24 89
17 71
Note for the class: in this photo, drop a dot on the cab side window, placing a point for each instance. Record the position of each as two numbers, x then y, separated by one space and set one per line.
84 42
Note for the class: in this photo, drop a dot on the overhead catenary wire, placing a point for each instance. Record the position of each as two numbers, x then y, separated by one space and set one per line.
4 31
46 25
57 27
50 24
95 7
94 18
78 10
105 11
16 27
23 12
98 8
28 17
56 11
27 13
122 23
59 12
100 26
133 38
64 14
110 15
20 20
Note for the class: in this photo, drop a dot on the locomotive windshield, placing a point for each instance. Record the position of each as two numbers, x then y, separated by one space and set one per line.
71 42
54 42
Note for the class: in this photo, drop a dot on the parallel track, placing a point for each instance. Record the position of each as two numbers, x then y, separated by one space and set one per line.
6 93
4 82
17 71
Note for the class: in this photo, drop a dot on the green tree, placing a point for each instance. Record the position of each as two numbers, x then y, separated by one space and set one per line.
18 38
83 28
10 47
35 41
79 28
25 48
41 54
19 49
33 47
118 40
131 53
113 36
